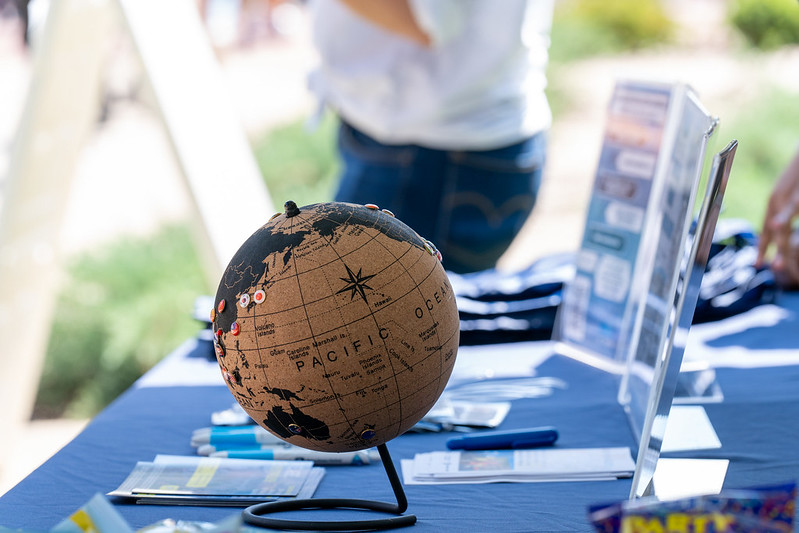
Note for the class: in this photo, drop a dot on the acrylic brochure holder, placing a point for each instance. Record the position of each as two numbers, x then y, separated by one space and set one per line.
655 381
631 285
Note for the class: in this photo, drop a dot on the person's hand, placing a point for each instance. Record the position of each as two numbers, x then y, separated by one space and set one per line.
788 275
782 210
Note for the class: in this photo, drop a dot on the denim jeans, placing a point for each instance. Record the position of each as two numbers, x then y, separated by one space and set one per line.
470 204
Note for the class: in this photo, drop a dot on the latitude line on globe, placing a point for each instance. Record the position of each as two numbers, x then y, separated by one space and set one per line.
290 229
313 335
372 314
417 287
372 237
308 320
321 267
288 225
263 315
309 226
394 372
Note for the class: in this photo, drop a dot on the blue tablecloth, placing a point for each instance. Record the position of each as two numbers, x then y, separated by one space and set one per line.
757 423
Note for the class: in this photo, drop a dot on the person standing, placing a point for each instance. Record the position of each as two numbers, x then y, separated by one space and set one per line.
443 115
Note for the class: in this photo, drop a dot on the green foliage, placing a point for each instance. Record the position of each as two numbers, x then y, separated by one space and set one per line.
575 38
767 24
583 28
126 305
298 163
121 309
767 135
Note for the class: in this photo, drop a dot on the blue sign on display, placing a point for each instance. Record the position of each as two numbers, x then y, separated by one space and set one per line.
648 171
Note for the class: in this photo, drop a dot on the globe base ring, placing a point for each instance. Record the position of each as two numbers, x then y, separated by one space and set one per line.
253 515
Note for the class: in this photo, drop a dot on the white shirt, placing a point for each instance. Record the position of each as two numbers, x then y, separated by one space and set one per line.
479 85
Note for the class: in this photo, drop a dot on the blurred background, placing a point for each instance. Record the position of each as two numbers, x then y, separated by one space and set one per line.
129 266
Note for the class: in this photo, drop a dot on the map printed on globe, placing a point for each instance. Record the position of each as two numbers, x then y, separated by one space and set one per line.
335 326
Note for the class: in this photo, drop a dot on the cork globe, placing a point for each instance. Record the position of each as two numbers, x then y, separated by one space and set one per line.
335 326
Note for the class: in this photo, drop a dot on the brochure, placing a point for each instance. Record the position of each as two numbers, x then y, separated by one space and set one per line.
188 480
529 465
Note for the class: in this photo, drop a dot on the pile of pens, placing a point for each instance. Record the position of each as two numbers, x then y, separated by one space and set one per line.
254 442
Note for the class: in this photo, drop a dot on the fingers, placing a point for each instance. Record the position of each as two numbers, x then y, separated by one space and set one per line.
763 244
780 227
767 234
777 228
783 208
786 267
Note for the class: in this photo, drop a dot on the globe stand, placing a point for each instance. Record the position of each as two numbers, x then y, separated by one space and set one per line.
252 514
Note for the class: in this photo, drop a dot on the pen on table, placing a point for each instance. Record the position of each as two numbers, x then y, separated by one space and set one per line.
252 435
498 440
363 457
208 449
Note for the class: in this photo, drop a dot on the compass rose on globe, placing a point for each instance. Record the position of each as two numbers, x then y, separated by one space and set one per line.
356 283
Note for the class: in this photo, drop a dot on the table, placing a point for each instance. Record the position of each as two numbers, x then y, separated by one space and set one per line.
757 367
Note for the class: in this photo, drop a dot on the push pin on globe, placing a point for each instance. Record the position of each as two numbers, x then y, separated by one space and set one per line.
291 209
376 313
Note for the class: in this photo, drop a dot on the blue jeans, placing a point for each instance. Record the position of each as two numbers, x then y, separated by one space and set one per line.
470 204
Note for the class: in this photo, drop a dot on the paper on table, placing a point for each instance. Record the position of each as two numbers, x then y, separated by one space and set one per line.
471 414
683 478
689 428
518 360
408 479
217 481
553 464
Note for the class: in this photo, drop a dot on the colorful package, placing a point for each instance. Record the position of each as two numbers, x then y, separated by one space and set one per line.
768 509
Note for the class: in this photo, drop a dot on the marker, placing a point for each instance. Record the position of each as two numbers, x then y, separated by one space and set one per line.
498 440
249 435
300 454
208 449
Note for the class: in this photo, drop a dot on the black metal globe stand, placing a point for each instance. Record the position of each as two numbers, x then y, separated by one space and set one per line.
252 514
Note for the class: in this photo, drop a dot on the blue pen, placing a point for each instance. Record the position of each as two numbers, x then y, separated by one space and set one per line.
498 440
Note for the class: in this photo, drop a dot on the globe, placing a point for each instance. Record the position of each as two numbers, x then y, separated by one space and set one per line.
335 326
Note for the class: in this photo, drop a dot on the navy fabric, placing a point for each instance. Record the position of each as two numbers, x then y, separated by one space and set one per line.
757 423
147 421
